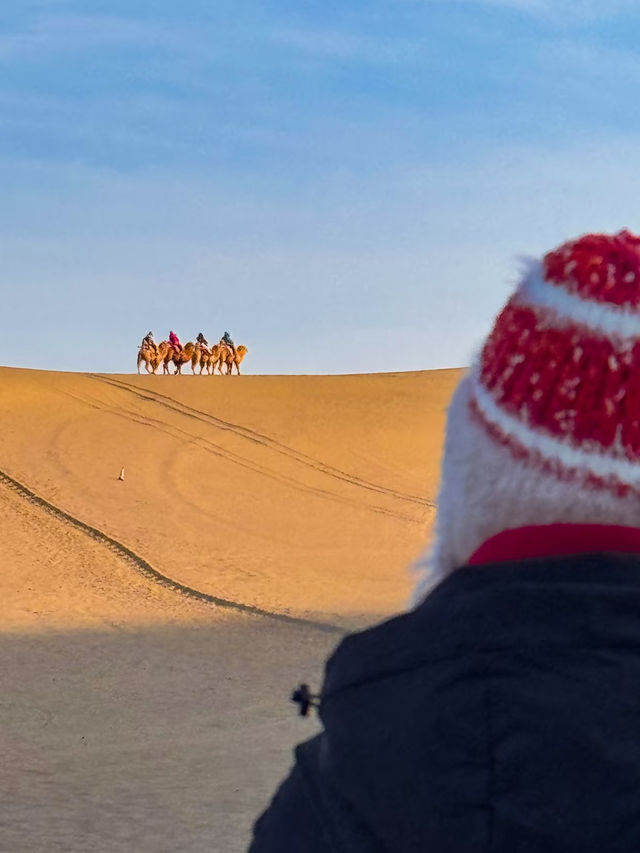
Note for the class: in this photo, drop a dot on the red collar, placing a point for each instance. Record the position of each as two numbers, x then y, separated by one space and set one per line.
554 540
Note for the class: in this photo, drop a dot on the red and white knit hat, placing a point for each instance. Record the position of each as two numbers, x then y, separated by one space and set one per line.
546 426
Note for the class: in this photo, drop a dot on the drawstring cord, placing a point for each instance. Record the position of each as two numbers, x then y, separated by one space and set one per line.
303 697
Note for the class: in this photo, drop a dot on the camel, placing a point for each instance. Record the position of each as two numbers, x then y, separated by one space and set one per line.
229 359
209 362
215 359
147 357
152 359
166 354
206 360
179 357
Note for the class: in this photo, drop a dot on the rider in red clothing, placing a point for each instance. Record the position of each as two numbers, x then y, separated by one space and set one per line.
174 340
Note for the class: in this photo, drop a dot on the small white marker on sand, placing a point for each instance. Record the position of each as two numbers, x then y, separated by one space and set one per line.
121 477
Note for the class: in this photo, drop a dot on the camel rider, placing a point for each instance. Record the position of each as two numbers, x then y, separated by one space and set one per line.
204 343
226 339
149 343
174 340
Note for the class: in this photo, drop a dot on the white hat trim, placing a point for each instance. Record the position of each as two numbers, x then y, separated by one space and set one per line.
601 464
603 320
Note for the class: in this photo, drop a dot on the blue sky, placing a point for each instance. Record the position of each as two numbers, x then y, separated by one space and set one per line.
344 186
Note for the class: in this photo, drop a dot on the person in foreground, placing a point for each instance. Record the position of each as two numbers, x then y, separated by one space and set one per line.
502 713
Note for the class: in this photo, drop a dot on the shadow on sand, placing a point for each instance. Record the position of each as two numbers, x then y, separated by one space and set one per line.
149 739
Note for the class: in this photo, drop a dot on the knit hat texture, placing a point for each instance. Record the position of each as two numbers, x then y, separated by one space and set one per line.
545 427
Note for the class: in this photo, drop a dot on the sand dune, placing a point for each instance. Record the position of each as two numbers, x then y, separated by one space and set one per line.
135 716
305 495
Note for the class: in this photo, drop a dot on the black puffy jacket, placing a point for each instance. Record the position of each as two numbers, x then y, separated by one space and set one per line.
501 716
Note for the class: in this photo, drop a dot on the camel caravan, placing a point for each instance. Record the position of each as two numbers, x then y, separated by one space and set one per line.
207 359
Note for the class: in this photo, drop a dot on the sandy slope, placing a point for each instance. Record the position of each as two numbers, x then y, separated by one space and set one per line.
304 494
133 717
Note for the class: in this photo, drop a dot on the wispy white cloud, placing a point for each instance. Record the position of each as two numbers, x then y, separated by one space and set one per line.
351 46
575 11
60 33
583 61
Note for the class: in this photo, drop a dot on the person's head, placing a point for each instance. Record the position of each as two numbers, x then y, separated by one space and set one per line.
545 427
149 334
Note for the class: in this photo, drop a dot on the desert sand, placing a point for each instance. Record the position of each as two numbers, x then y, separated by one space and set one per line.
281 512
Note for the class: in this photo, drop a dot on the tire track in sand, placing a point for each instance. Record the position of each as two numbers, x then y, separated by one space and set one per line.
259 438
228 455
140 565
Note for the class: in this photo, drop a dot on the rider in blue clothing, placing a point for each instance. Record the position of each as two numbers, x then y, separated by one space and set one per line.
226 339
